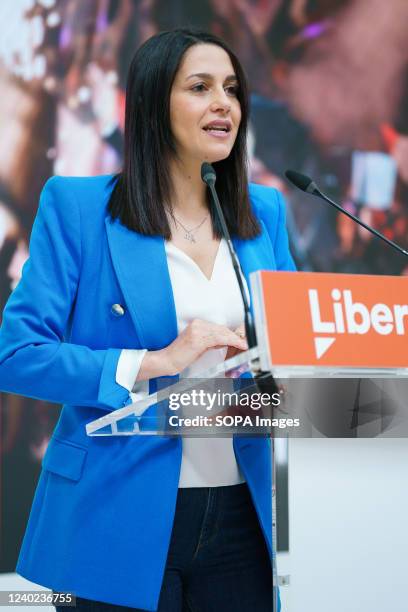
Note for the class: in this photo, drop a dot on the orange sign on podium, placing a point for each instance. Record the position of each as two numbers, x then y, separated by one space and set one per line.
344 320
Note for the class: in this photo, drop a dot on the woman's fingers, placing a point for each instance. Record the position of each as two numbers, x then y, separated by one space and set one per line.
198 337
232 350
222 336
241 331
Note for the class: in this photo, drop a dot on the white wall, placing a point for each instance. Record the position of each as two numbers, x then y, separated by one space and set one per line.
348 514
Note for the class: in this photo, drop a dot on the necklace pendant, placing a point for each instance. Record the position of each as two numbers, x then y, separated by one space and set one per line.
189 236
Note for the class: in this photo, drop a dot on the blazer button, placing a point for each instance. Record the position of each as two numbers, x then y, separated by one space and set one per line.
117 310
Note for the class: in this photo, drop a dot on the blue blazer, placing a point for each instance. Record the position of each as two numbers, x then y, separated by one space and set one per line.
103 510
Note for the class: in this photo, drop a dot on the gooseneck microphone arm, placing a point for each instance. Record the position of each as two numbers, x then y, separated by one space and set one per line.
305 183
264 381
209 177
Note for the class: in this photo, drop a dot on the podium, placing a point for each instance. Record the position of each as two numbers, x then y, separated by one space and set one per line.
313 326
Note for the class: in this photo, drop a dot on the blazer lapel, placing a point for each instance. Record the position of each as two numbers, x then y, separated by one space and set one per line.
140 265
141 268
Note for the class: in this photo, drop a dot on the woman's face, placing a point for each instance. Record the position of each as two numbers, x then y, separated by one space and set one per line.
204 109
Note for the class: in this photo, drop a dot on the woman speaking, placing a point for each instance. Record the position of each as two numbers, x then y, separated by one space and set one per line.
129 280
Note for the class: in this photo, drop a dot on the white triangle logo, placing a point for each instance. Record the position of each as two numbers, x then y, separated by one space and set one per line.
322 345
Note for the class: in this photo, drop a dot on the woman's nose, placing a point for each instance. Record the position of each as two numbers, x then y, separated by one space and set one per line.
221 102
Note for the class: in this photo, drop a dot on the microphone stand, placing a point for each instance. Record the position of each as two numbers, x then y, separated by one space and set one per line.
264 380
306 184
394 245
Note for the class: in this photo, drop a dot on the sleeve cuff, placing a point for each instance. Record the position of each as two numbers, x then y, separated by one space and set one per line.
128 368
110 393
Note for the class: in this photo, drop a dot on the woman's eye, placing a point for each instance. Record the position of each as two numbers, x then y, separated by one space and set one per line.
232 90
198 87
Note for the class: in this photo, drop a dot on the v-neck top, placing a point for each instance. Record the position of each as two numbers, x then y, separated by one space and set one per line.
210 461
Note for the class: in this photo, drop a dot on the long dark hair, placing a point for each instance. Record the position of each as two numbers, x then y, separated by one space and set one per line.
143 189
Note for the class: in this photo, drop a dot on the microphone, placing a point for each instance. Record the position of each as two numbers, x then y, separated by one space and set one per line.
305 183
264 381
209 177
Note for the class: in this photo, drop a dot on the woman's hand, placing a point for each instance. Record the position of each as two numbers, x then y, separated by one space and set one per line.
232 350
198 336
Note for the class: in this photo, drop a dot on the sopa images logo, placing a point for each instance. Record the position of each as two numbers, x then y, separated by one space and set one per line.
352 317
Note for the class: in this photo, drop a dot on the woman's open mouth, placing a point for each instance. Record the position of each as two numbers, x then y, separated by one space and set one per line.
219 129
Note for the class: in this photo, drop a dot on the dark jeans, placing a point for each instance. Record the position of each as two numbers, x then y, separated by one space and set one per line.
217 560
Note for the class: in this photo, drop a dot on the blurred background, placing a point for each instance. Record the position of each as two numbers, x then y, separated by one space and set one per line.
329 97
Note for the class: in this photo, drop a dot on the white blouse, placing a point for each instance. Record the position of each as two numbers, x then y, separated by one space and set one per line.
210 461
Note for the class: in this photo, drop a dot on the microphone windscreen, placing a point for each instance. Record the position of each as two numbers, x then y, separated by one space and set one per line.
299 180
208 173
